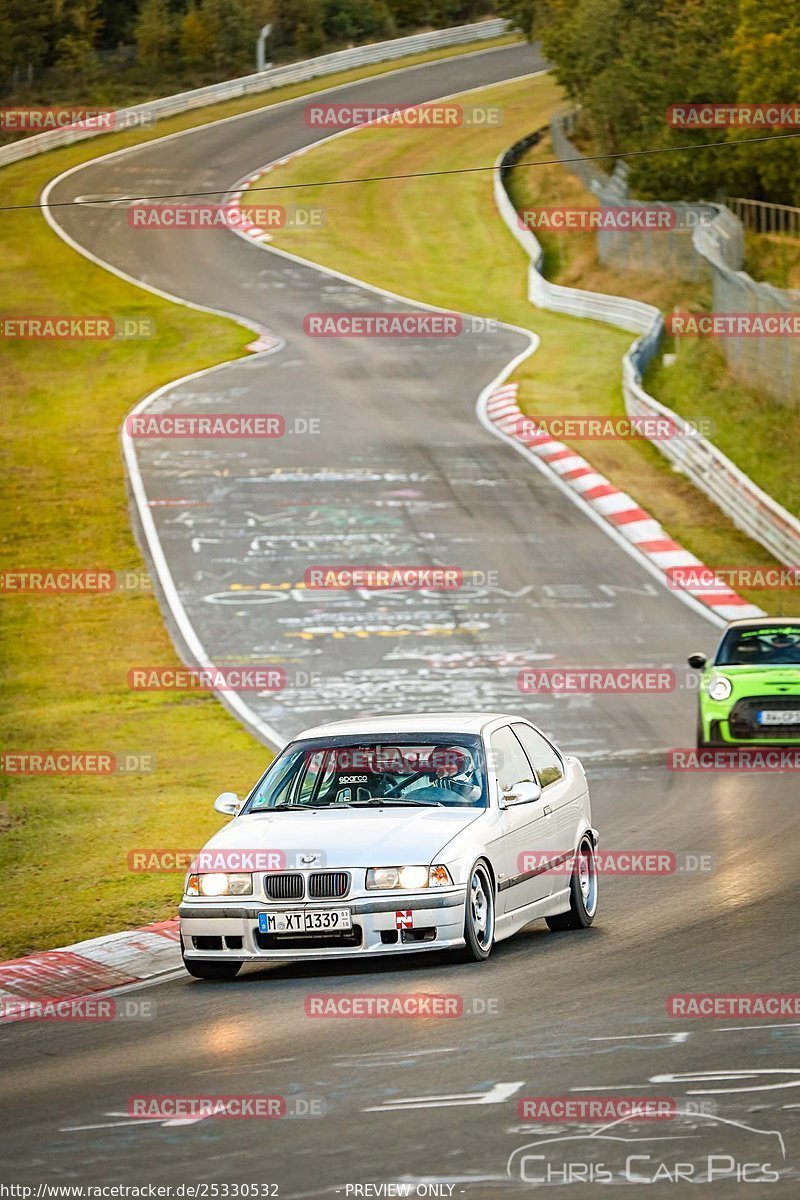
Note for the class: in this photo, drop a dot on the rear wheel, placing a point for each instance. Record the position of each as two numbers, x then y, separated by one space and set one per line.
479 918
582 891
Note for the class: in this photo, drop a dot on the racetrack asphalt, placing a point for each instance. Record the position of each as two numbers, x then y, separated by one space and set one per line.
403 472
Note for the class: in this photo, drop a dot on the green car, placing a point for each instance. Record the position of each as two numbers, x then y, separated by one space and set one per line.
750 692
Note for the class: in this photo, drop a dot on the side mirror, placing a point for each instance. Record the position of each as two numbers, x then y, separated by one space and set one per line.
524 792
227 803
698 661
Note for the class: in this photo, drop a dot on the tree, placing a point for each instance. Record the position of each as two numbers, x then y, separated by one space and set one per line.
155 31
410 14
766 51
233 32
521 13
196 40
77 25
625 61
357 20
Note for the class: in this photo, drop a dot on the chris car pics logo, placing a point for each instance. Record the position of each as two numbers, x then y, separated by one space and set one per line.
700 1147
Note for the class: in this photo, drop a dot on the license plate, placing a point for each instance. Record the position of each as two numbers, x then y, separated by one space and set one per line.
779 716
312 920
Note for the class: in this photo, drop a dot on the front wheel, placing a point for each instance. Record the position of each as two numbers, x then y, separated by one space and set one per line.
582 891
479 918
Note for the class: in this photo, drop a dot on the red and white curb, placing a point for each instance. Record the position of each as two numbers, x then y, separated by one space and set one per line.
87 968
243 224
617 508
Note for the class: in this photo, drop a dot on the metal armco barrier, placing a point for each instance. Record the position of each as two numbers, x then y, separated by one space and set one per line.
707 244
750 508
263 81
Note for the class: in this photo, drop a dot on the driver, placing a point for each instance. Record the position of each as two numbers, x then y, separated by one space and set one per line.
455 770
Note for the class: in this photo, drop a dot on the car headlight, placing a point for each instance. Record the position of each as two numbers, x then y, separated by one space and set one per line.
720 688
218 883
388 878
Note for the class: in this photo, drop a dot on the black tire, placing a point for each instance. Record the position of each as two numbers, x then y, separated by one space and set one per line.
480 914
582 891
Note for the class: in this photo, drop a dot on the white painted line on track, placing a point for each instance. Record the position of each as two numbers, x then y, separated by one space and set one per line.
497 1094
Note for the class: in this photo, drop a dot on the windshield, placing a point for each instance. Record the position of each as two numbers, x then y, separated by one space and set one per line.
340 773
762 646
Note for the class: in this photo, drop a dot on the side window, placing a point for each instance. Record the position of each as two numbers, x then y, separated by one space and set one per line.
544 757
508 761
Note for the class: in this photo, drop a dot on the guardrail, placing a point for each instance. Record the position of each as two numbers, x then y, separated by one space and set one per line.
707 244
750 508
762 216
263 81
672 252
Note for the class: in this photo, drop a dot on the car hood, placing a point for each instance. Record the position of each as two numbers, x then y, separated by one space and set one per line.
773 676
386 837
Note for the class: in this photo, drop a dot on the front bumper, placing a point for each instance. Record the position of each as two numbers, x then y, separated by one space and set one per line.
737 724
228 929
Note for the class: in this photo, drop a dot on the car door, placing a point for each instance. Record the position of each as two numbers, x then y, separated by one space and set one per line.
527 830
560 801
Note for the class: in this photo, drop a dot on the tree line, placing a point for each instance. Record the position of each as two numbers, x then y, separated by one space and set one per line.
625 61
116 50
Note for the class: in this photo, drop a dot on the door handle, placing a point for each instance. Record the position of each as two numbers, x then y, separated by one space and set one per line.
547 810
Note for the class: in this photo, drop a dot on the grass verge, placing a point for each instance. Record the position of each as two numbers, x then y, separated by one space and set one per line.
456 253
64 840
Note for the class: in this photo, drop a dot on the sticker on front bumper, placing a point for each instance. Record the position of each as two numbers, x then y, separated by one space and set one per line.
404 918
